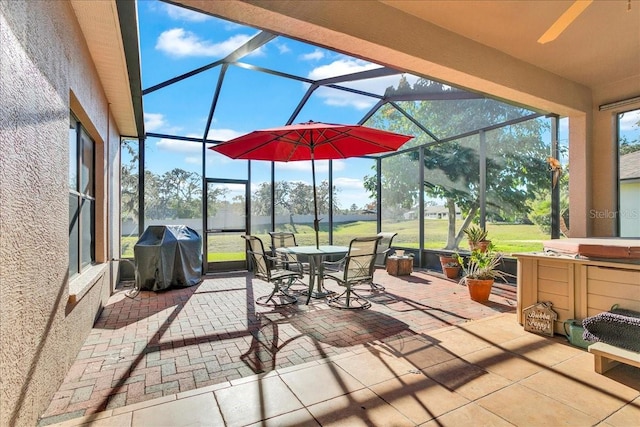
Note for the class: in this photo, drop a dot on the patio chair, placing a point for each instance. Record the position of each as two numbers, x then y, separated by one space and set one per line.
285 239
265 267
382 253
355 268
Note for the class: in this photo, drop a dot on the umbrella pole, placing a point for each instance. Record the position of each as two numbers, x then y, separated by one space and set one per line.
316 222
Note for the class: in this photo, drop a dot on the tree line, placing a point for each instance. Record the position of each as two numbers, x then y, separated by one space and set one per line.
178 194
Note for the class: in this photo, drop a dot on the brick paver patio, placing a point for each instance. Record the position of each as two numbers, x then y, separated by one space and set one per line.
158 344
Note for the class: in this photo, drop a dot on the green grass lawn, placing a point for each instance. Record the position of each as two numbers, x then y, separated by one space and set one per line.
507 238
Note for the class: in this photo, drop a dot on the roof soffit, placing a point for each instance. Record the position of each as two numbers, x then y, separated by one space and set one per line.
100 25
427 49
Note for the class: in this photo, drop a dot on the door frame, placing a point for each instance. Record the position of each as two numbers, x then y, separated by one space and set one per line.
226 265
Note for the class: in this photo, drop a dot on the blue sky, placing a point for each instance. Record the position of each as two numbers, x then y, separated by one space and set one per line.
174 40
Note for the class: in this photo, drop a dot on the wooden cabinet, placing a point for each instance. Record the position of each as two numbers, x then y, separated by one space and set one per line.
577 288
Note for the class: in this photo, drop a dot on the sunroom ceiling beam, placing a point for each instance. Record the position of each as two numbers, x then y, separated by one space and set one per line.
362 75
256 42
181 138
434 96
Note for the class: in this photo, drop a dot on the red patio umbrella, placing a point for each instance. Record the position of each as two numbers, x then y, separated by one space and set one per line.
311 141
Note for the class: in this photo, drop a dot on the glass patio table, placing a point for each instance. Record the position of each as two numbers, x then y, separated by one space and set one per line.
316 257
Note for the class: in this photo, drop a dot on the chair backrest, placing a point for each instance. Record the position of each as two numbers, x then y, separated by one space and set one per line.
384 246
255 249
360 260
283 239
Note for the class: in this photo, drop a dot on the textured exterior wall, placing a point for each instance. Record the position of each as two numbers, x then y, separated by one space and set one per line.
43 58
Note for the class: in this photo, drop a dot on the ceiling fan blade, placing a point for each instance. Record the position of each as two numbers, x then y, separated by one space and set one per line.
564 20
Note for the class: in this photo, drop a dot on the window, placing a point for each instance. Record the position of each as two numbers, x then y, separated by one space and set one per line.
81 198
628 174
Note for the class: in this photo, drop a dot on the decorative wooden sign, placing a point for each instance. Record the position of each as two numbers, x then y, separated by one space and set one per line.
539 318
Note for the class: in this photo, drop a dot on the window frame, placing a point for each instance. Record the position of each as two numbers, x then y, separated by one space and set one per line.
82 199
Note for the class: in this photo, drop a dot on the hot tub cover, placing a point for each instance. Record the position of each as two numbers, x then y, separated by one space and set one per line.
168 255
596 247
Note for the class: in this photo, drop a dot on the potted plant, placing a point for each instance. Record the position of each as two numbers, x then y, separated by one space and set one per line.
480 271
477 237
447 258
451 269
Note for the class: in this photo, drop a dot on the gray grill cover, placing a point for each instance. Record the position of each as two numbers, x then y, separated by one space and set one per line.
168 255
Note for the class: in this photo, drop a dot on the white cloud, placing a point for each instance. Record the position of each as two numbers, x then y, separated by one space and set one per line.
629 121
282 48
235 189
178 43
153 121
223 134
313 56
193 160
338 98
212 158
349 183
297 166
182 14
322 166
193 150
176 146
340 67
339 165
351 191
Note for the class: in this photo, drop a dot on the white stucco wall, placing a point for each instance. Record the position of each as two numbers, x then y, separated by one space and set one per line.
43 59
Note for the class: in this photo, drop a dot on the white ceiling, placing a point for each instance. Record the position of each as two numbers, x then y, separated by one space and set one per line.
600 46
487 46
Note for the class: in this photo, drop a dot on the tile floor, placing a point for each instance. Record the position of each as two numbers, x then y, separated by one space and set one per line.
424 354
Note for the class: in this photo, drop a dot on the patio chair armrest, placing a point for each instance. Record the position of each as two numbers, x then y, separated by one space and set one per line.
334 265
273 260
285 262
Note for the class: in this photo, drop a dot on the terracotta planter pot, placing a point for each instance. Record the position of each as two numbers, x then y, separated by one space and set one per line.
479 289
446 258
451 272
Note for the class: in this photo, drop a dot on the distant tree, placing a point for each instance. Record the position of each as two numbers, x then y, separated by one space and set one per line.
261 199
515 156
217 200
626 146
155 206
182 192
129 192
238 204
291 198
299 199
540 207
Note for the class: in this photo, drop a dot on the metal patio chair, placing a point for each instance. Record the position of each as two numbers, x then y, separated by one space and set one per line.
382 253
285 239
355 268
265 267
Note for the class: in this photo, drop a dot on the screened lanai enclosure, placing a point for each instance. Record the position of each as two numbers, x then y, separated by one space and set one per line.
473 158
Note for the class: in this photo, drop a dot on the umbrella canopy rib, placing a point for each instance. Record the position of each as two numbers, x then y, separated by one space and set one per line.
311 141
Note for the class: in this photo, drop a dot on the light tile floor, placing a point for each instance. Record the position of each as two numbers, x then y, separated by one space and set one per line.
426 380
423 355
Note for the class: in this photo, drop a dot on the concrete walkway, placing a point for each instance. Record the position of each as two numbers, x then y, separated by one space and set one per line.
424 353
